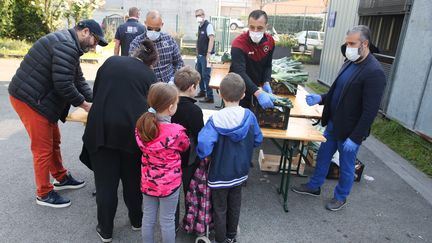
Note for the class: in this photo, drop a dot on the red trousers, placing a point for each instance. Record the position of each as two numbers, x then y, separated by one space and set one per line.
45 146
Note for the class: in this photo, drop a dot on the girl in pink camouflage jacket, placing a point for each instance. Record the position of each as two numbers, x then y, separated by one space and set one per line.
161 143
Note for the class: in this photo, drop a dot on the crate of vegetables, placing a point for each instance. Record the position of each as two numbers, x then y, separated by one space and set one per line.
275 118
287 83
283 88
286 75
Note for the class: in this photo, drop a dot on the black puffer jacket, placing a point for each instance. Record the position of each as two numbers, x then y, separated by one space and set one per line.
49 78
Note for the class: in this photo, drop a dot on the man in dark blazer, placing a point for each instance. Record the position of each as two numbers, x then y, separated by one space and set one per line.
350 107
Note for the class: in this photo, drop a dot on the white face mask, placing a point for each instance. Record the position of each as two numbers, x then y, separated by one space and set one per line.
256 36
199 19
352 54
153 35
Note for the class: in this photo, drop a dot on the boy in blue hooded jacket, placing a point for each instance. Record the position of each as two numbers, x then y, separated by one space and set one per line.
229 137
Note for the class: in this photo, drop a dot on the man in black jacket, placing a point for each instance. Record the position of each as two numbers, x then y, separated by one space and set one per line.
350 107
48 81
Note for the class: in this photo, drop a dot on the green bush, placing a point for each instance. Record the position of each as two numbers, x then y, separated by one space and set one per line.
294 24
6 26
10 46
286 40
28 22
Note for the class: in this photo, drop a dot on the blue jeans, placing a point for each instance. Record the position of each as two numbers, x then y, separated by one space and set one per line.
167 207
346 165
204 71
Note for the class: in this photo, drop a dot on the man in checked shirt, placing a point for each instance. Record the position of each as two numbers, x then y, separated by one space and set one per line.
170 59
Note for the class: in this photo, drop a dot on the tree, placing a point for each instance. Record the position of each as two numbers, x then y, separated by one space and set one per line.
6 26
52 12
28 21
81 9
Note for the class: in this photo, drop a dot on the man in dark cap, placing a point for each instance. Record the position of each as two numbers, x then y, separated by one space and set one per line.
48 81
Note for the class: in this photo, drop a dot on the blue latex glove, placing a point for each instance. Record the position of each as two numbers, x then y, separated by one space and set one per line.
265 100
313 99
350 146
267 88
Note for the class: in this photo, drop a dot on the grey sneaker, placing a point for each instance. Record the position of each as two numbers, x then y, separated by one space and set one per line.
335 205
304 189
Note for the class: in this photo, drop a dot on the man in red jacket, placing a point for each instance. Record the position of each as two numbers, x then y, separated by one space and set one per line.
251 54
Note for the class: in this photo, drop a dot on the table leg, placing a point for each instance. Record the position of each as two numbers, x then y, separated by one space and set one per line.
283 170
287 181
302 146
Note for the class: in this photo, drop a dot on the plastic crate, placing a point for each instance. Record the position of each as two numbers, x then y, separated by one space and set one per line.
275 118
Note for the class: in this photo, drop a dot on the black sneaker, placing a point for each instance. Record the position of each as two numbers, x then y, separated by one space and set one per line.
304 189
53 200
68 183
335 205
137 228
207 100
104 237
201 94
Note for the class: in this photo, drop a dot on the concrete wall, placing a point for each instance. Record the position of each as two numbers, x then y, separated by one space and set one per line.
411 94
331 58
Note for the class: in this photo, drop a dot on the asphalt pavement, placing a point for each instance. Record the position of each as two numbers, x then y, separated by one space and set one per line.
384 208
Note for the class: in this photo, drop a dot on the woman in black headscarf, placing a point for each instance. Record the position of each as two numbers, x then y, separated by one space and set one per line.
120 97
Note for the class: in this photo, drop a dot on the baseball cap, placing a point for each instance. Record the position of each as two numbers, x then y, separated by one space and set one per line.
95 28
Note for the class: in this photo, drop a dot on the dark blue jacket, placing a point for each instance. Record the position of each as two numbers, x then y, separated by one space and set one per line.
229 137
358 103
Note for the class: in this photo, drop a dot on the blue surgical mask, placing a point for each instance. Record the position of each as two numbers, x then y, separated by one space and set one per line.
153 35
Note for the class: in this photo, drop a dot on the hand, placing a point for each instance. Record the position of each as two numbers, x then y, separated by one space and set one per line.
208 57
350 146
265 100
267 88
313 99
86 106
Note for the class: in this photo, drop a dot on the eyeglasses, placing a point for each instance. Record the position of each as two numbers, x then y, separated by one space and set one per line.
157 29
199 15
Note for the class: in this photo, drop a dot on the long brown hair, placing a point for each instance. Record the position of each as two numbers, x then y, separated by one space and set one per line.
160 97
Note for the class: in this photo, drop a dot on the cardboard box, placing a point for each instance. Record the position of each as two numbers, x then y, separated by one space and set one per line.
270 163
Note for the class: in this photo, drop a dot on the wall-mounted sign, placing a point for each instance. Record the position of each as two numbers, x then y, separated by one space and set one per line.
332 19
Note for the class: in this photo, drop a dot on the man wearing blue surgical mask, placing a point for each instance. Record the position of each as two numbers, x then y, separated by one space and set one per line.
170 59
350 107
251 54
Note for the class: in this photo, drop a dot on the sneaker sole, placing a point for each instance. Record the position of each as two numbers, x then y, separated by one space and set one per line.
59 188
336 209
305 193
103 239
64 205
135 229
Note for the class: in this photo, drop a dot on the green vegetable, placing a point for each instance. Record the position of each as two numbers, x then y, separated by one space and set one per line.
283 102
226 57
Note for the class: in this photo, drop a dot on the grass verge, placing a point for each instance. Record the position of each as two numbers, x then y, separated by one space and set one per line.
407 144
18 47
